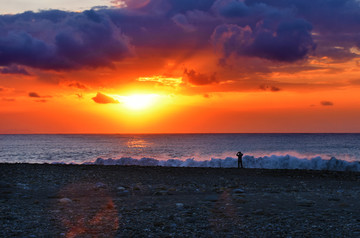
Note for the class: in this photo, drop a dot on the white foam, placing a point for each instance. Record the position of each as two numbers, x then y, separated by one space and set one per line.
265 162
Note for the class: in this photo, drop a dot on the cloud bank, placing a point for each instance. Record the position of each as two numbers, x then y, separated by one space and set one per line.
280 31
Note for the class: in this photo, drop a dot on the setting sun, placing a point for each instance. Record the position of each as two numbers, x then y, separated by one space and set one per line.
139 101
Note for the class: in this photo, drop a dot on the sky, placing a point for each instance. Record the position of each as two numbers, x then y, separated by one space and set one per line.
179 66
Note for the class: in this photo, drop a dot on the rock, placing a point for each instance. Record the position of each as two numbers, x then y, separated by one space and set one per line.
240 200
137 187
305 203
161 192
179 205
100 185
211 198
5 185
238 190
158 223
259 212
190 220
123 193
121 189
65 200
23 186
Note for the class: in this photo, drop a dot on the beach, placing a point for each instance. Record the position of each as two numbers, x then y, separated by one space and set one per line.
43 200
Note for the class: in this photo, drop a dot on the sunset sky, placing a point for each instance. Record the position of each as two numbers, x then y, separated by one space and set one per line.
179 66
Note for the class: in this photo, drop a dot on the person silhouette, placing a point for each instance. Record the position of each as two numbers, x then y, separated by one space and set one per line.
240 155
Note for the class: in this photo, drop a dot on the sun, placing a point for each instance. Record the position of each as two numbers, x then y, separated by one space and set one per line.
139 101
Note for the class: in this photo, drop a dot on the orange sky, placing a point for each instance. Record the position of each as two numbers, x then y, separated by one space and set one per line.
189 75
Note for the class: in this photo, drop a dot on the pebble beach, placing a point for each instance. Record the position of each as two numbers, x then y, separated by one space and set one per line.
43 200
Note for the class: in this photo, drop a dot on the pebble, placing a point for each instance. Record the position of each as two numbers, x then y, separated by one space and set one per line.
211 198
121 189
65 200
238 190
123 193
335 199
259 212
100 185
185 214
305 203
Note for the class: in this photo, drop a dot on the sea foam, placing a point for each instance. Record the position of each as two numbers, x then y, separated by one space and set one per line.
266 162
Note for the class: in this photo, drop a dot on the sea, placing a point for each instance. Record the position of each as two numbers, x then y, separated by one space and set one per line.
339 152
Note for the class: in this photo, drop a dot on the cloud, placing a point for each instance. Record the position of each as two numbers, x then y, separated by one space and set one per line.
41 100
77 85
327 103
62 40
355 82
182 22
34 95
289 42
104 99
271 88
198 78
231 8
267 32
130 3
334 22
14 69
8 99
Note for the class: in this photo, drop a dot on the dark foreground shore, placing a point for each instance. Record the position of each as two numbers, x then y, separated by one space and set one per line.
114 201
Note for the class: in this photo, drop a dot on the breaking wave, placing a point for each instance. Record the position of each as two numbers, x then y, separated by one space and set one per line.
266 162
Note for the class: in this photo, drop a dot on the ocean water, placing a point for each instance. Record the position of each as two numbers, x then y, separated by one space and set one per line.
281 151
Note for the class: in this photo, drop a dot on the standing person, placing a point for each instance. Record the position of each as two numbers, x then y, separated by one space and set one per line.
240 155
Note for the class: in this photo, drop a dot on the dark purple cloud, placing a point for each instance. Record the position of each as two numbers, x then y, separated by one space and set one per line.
14 69
61 40
291 41
282 31
335 23
104 99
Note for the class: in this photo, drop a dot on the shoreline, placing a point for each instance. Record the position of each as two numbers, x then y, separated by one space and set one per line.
60 200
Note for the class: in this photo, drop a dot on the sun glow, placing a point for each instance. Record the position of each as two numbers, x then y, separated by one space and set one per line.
140 101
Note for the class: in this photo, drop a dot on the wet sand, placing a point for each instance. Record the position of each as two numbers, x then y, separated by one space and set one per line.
116 201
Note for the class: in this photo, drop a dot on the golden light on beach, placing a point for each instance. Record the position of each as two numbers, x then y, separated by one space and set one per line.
140 101
87 209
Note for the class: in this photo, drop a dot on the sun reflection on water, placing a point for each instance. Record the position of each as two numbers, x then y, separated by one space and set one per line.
138 143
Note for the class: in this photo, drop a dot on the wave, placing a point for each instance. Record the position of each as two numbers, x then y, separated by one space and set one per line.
266 162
